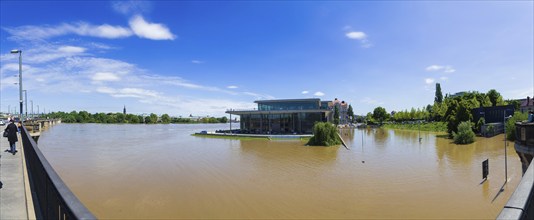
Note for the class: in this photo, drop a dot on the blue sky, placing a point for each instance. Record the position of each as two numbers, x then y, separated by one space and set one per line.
201 58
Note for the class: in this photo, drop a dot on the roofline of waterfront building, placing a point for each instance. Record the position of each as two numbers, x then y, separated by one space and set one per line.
288 100
246 112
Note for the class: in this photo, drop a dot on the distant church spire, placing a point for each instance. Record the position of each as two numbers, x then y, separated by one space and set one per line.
124 110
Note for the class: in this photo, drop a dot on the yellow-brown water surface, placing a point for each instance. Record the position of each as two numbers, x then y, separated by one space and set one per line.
161 171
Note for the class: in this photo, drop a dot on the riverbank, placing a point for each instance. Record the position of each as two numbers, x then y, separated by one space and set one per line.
425 126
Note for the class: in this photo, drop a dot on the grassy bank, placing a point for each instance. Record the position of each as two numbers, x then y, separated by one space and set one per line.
426 126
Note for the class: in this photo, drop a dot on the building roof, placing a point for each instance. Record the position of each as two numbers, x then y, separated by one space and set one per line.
288 100
247 112
525 104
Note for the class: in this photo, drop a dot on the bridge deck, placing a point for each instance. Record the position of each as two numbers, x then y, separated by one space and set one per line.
13 202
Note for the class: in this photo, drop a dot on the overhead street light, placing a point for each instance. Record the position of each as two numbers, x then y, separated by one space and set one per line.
20 81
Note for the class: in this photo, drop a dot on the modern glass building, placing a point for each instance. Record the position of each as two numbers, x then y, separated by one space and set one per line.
283 116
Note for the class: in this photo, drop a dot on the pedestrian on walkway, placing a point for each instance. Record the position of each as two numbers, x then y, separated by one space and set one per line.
11 130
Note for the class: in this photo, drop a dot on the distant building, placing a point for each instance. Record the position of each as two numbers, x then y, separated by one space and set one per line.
124 110
527 105
458 94
343 108
284 116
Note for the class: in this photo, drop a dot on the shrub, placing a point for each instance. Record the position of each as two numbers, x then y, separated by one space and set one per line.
490 130
480 122
465 134
510 124
324 134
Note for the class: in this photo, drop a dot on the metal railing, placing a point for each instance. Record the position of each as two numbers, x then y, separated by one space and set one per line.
52 197
520 205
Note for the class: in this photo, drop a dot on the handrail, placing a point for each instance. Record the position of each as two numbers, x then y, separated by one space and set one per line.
520 205
53 196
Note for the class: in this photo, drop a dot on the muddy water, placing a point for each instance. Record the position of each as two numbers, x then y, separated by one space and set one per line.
160 171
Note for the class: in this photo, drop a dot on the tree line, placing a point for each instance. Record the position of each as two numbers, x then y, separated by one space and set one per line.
451 110
120 118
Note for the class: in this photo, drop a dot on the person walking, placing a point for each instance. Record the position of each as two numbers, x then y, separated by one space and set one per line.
12 130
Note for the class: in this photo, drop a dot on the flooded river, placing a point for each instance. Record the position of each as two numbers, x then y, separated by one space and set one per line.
161 171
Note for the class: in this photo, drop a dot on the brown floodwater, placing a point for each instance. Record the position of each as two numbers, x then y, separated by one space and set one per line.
161 171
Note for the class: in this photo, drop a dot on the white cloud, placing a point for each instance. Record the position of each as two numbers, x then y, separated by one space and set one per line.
356 35
444 78
83 74
31 32
305 92
429 80
131 7
434 68
232 87
153 31
197 61
318 94
449 69
105 76
446 69
71 49
138 26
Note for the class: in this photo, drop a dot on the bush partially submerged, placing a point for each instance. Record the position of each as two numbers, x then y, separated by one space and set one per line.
324 134
465 134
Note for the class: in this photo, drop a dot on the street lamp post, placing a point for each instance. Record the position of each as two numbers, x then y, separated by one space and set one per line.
32 108
25 103
505 154
20 80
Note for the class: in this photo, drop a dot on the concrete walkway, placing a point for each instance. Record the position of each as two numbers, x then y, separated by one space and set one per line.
13 203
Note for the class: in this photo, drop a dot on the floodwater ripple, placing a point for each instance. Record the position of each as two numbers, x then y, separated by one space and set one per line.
161 171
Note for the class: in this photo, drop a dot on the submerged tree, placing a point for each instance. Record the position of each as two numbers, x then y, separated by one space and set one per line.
465 134
324 134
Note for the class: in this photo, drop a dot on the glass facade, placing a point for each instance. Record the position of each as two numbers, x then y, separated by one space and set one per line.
277 106
284 116
273 123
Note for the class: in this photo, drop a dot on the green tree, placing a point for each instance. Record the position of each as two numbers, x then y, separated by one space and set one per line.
132 119
324 134
439 95
224 119
380 114
350 112
121 118
510 124
494 97
515 103
165 119
153 118
465 134
336 115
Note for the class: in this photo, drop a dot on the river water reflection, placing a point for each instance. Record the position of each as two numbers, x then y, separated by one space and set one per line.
161 171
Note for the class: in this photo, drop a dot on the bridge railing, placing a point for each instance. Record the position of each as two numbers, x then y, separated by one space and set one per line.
520 204
52 198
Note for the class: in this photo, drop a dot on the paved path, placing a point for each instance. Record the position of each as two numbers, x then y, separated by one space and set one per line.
13 193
